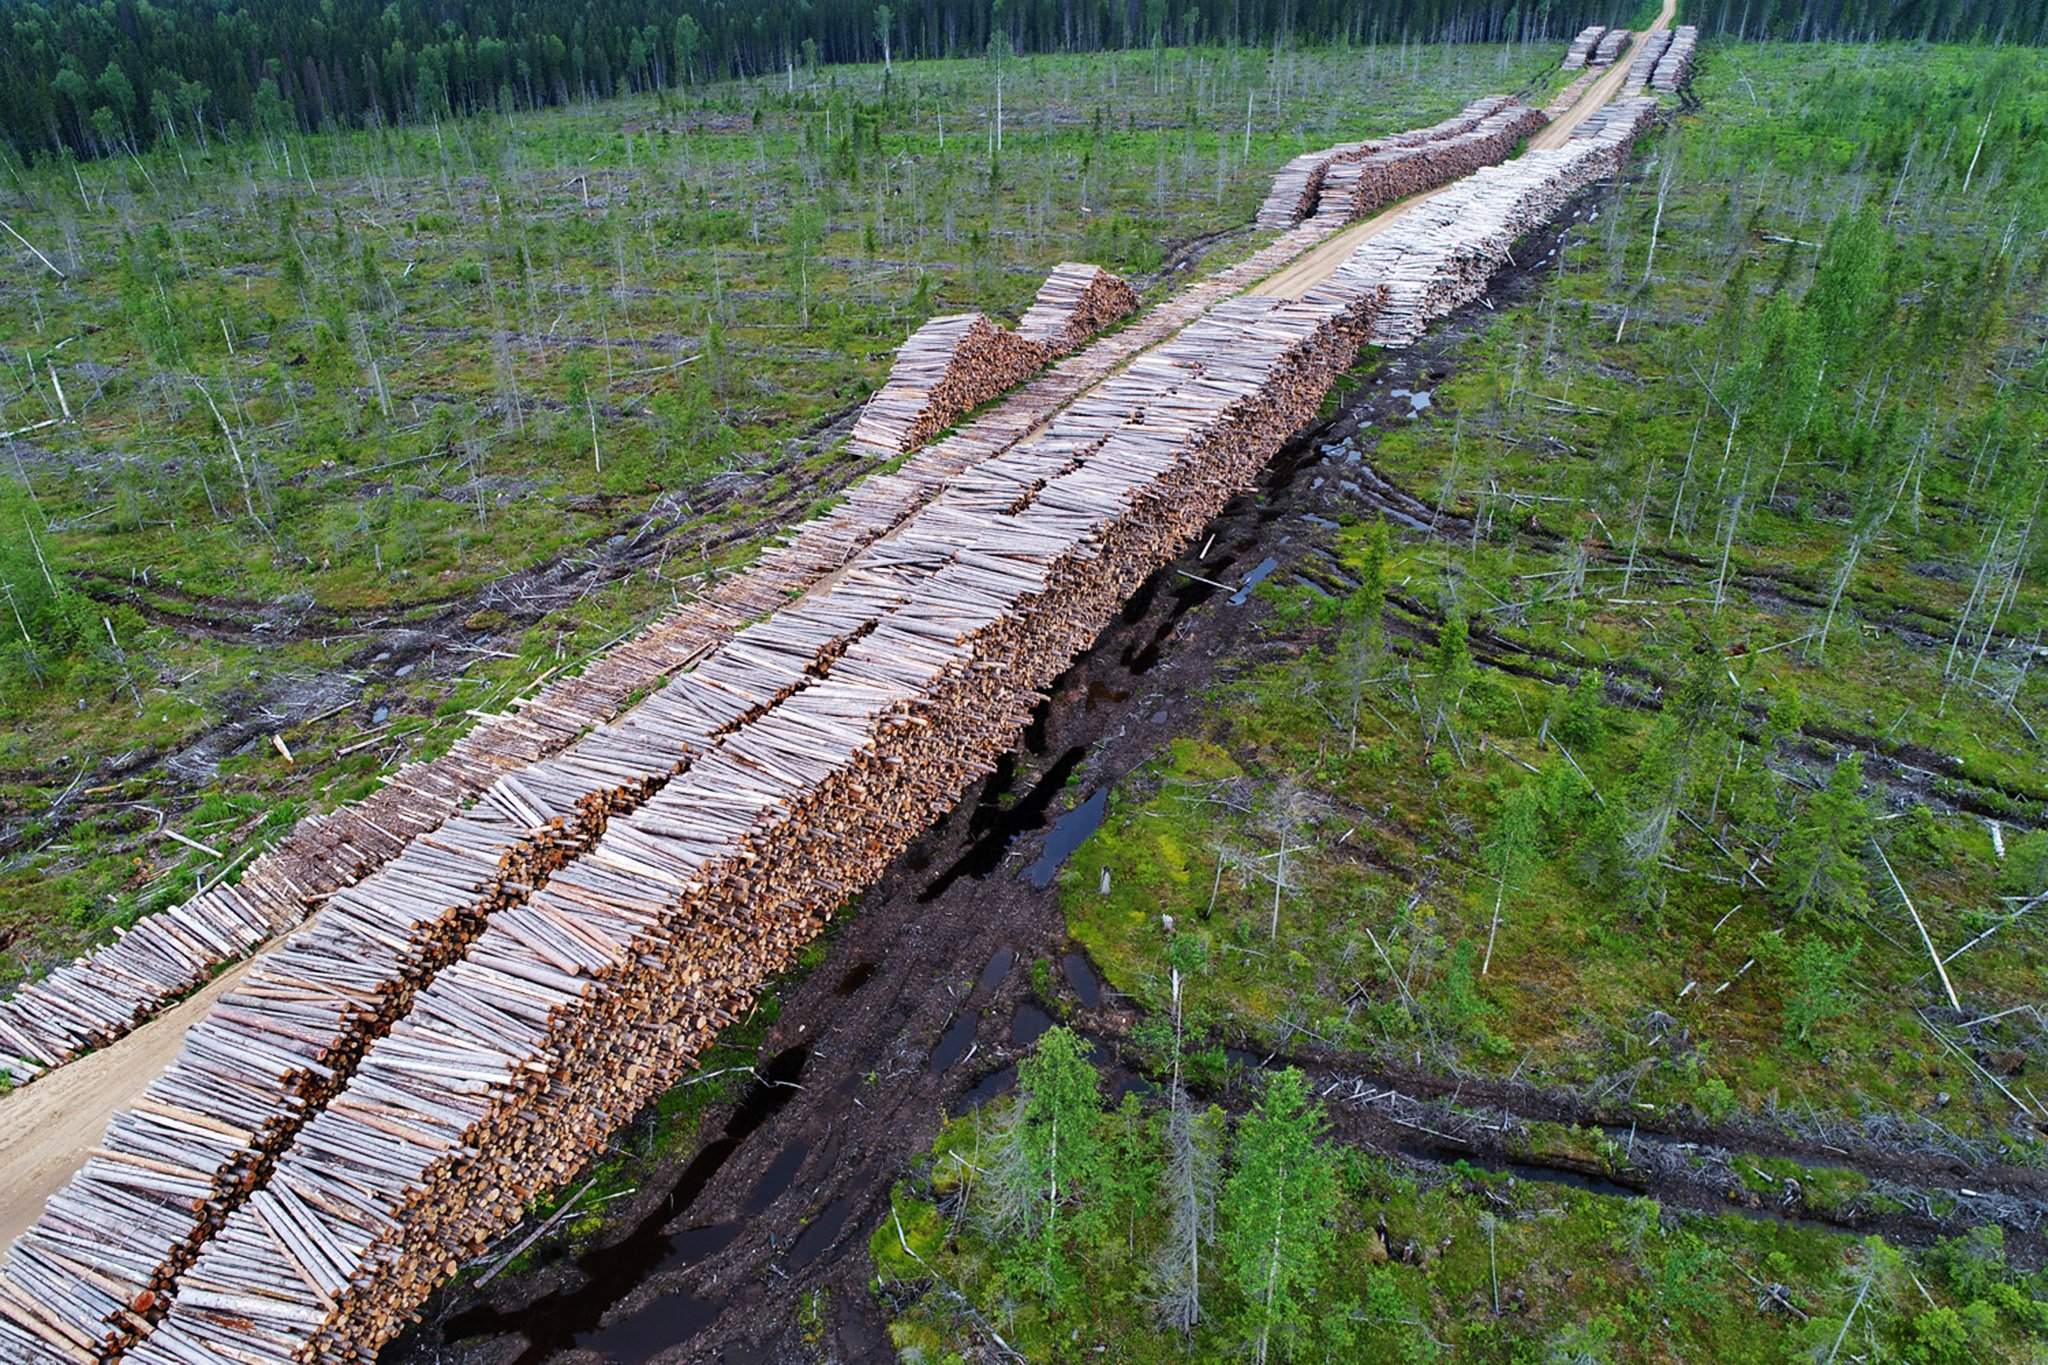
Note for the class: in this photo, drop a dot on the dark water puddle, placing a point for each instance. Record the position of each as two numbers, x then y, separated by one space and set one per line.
1067 834
1131 1084
1190 593
1102 694
1081 978
995 827
1253 579
859 976
573 1318
998 967
819 1232
953 1044
998 1082
777 1178
1028 1025
1522 1170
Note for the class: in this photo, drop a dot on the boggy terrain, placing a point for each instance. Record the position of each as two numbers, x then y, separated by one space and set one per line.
1471 1126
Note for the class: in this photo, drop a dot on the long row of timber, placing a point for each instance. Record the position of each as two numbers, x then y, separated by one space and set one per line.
573 1008
955 363
1298 186
96 999
92 1272
456 1033
1675 68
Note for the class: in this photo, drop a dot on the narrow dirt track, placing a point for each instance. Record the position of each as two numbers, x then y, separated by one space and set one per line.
47 1129
1315 267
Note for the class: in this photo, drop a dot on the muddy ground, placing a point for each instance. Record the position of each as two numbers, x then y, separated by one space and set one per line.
926 1001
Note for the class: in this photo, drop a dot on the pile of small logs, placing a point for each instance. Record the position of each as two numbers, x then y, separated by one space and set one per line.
93 1272
1582 46
951 365
1676 67
1358 188
1611 44
1324 183
1075 302
1444 254
573 1009
1644 62
1569 96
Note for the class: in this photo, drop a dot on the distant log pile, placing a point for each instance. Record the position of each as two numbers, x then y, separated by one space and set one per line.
1583 46
1644 63
954 364
1325 185
1356 189
1075 302
1569 96
572 1010
1444 254
1611 44
1675 69
951 365
1297 185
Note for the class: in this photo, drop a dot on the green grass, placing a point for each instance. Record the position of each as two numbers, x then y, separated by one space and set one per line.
1422 1255
1684 984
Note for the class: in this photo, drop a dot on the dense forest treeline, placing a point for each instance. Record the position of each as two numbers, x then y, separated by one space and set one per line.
93 76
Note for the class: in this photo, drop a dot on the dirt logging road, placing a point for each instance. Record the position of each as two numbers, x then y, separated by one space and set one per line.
454 1035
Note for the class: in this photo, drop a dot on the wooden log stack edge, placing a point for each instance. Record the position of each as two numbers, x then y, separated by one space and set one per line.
955 363
1444 254
1611 44
569 1012
1357 188
1076 302
1298 187
1644 63
951 365
1675 68
1582 47
93 1274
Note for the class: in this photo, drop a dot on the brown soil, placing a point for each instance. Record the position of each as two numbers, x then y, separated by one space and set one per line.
46 1129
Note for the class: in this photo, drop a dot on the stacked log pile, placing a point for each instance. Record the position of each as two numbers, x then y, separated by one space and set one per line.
1611 44
1075 303
1444 254
1675 69
951 365
572 1010
1311 179
1569 96
1582 46
89 1276
1644 63
1297 185
1358 188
